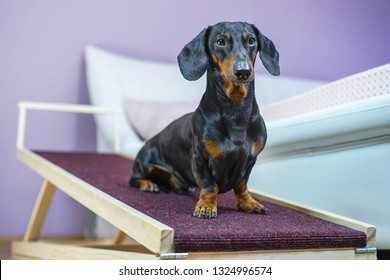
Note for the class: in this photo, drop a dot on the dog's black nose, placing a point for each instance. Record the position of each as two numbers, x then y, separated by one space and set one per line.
242 74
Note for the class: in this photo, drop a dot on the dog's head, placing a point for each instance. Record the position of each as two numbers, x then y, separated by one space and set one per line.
231 48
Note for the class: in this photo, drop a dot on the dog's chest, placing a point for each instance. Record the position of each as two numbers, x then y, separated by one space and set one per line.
236 149
230 159
232 140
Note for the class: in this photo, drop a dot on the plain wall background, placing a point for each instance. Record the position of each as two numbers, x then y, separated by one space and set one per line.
41 59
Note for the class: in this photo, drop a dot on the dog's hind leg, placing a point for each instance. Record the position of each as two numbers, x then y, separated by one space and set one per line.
155 178
145 185
140 179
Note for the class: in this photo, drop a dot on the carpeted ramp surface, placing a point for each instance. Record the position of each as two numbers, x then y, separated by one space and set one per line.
281 229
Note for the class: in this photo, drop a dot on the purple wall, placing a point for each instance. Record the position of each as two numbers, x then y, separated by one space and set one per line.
41 59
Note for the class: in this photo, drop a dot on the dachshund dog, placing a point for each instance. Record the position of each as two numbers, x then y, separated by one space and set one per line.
215 147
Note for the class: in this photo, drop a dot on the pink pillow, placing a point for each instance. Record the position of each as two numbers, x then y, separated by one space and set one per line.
150 117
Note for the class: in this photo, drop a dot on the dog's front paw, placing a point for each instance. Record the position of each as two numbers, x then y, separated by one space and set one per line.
206 208
205 211
252 206
245 201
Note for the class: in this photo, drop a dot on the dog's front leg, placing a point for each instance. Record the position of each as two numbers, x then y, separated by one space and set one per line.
207 203
245 201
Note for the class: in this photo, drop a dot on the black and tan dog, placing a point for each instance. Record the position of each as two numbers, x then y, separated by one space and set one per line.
215 147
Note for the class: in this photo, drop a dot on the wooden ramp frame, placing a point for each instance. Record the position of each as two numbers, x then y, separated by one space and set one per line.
150 238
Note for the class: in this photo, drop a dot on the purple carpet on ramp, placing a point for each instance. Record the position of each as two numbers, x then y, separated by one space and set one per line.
281 229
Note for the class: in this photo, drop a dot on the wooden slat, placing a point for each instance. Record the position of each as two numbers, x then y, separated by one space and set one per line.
49 251
119 238
152 234
368 229
307 254
39 213
67 108
43 250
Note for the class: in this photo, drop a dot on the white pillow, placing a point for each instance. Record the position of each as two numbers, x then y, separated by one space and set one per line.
150 117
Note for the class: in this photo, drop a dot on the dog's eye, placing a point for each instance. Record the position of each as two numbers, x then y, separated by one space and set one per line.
221 42
252 40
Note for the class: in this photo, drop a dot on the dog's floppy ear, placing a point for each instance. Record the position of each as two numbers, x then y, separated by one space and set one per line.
193 60
268 53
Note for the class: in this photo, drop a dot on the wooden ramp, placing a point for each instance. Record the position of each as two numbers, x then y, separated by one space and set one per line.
161 225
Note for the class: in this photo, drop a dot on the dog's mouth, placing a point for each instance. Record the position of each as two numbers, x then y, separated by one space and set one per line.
237 89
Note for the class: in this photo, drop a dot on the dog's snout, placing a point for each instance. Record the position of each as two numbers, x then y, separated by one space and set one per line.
242 70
